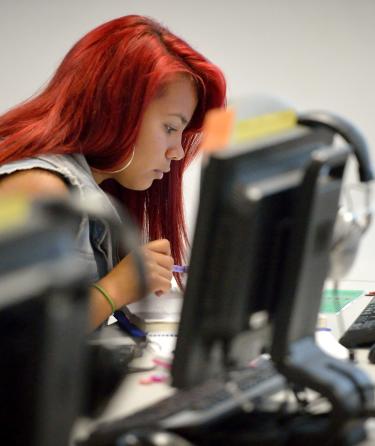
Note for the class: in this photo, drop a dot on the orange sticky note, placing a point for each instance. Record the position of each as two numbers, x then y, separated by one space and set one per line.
217 129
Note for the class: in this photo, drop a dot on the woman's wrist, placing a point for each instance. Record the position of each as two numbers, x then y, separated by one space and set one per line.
118 295
105 295
100 308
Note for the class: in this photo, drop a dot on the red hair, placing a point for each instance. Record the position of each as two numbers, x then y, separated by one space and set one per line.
94 105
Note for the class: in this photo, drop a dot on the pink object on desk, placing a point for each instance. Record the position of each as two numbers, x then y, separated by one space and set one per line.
162 363
154 378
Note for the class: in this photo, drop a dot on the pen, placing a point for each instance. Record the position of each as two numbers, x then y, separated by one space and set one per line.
180 268
126 325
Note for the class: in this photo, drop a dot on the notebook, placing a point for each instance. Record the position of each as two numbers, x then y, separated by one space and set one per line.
157 313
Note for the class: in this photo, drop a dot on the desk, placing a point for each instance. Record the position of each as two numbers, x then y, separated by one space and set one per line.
351 311
133 396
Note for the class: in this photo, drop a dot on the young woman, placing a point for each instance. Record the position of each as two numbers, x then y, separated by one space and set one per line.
122 114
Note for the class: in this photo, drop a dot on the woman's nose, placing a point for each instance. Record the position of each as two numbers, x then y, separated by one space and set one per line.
175 153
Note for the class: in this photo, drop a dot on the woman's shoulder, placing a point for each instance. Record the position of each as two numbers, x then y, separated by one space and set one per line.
42 173
72 169
24 164
34 181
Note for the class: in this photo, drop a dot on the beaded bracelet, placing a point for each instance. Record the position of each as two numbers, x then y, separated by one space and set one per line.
106 296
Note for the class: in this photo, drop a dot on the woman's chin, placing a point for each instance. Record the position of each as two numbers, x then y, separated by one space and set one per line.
139 186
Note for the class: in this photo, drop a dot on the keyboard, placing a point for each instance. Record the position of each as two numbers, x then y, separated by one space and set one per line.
200 406
362 331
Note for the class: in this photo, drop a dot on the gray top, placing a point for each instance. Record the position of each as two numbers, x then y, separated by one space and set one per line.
94 242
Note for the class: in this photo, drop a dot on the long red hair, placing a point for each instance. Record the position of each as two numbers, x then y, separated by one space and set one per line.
94 105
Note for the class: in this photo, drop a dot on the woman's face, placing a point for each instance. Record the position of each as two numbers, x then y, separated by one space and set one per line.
158 143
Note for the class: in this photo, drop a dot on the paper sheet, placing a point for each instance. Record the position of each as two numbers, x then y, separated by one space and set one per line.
166 307
163 343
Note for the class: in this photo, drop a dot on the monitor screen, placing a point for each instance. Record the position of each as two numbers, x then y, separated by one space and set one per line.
241 266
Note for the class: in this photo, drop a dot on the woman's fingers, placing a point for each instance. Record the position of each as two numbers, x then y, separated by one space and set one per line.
122 282
159 265
156 270
161 246
158 254
162 260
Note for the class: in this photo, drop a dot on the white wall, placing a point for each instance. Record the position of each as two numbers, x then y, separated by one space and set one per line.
313 54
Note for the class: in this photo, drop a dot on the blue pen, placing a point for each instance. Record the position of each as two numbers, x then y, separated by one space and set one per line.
180 268
127 326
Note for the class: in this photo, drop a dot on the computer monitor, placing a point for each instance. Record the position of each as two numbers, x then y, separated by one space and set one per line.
43 323
266 215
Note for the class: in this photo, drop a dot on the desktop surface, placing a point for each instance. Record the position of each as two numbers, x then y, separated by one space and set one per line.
354 298
132 396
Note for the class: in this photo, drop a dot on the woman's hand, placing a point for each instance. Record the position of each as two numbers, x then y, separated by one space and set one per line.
122 282
158 263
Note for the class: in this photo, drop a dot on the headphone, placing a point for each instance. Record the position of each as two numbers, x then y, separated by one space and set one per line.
348 228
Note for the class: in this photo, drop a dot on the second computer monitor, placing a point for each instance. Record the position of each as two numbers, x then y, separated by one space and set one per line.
241 252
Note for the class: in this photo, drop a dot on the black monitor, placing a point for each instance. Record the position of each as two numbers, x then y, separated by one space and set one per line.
261 243
43 323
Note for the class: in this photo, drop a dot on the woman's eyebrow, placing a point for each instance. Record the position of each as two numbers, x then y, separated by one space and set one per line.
179 115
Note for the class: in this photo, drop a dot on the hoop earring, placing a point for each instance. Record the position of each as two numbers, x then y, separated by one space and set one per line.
126 165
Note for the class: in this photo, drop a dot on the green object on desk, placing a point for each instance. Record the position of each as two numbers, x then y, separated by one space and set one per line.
333 303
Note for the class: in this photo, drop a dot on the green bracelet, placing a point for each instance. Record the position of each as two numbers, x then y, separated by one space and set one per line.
106 296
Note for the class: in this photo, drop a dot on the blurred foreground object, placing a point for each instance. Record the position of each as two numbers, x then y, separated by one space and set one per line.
43 323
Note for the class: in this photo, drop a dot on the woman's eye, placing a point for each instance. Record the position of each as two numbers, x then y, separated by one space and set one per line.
169 129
